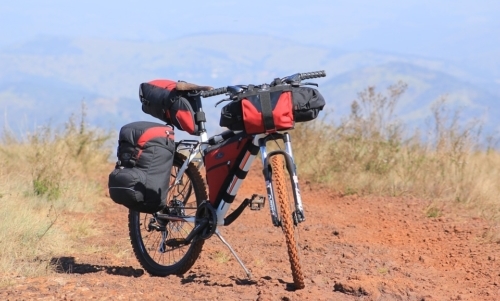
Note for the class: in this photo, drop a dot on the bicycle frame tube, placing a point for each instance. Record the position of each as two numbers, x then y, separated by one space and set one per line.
233 187
195 148
188 219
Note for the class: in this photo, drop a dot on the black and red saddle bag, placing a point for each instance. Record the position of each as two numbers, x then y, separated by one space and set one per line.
162 100
141 176
272 109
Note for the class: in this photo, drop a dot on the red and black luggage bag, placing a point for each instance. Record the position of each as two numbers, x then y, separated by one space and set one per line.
141 177
162 100
271 109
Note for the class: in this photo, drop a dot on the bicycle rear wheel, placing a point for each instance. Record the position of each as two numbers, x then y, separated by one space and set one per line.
148 234
286 207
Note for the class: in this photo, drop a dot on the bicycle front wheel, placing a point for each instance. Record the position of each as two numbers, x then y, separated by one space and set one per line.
149 235
286 207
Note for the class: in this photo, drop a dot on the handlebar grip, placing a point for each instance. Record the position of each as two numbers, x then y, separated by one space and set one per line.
313 74
214 92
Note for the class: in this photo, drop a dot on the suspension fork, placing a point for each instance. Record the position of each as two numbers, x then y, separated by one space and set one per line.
298 214
269 187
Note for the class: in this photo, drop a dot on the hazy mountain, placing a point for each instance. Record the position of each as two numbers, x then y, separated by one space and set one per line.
47 78
424 88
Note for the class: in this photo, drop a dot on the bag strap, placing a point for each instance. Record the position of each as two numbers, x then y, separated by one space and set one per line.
264 97
267 111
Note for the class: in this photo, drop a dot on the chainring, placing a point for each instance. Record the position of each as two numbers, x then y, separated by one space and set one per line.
206 211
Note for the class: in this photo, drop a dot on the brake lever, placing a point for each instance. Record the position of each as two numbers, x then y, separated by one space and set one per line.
309 84
299 84
221 101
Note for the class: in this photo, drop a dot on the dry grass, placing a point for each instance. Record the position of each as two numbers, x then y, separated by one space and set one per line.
45 175
370 153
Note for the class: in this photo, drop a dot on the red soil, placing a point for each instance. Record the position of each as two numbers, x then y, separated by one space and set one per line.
352 248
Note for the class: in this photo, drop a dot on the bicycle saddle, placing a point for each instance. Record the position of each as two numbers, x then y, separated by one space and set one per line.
184 86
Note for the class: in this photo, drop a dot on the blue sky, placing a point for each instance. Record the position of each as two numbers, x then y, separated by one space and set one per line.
451 37
445 29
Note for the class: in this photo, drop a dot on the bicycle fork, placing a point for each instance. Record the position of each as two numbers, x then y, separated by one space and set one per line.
298 214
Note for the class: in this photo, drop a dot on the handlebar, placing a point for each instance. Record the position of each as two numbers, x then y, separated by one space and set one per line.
314 74
295 78
214 92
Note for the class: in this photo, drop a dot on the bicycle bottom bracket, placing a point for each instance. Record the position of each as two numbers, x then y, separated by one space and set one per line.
205 214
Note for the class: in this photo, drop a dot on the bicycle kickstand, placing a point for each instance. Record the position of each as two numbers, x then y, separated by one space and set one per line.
249 275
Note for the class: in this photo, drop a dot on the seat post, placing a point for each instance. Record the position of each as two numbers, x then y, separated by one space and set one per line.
200 119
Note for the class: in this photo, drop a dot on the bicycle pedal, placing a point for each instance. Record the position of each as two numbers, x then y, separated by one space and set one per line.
257 202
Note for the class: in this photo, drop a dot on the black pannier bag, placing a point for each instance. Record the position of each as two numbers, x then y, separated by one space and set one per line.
162 100
275 109
141 177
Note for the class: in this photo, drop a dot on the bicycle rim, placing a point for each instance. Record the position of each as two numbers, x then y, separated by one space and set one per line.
286 207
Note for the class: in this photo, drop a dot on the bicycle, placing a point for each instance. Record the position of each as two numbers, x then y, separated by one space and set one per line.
169 242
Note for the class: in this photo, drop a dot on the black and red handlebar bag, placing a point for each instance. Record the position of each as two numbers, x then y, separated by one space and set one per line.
272 109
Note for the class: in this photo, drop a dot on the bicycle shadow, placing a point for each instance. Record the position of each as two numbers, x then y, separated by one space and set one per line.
68 265
204 279
289 286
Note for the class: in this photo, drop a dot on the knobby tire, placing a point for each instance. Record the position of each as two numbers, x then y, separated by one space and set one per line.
287 225
146 244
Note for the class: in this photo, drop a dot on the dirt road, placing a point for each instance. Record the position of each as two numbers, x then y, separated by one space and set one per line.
352 249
